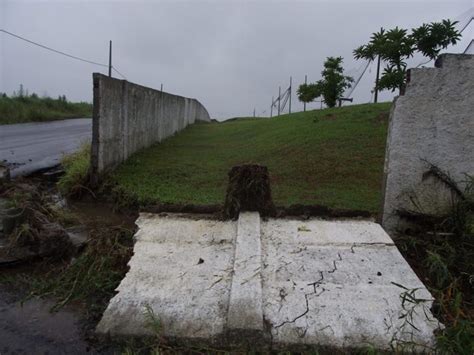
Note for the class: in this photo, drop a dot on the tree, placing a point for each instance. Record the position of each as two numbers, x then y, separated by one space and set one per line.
330 87
396 45
307 92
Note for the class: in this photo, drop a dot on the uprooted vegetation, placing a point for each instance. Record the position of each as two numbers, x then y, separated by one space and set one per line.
441 251
38 234
249 190
93 276
34 225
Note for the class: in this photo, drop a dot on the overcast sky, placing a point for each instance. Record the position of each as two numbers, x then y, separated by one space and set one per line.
230 55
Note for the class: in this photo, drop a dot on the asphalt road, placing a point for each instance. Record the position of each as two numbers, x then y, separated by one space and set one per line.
28 147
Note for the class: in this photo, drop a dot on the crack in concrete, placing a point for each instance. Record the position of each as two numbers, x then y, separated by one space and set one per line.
315 285
334 264
298 317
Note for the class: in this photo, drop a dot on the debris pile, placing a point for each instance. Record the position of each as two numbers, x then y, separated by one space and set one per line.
248 190
30 225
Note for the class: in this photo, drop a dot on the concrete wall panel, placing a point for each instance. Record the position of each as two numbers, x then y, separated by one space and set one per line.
128 117
433 123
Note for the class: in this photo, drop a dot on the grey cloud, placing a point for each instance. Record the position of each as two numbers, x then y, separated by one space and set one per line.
231 55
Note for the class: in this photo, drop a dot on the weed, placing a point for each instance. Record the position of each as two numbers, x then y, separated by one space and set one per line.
94 275
457 339
152 321
442 255
76 166
437 268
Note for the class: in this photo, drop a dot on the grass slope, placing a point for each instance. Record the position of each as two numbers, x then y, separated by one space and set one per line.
332 157
37 109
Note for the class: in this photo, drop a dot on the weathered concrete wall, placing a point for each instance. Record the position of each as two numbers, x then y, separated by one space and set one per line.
129 117
433 123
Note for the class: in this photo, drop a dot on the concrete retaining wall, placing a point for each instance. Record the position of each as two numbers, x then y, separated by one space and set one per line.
128 117
433 123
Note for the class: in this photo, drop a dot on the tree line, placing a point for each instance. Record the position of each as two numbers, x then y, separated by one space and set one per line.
393 48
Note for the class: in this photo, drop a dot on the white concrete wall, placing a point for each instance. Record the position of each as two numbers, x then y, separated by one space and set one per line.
129 117
432 123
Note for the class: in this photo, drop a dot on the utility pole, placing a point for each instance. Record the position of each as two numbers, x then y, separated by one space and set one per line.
289 103
110 58
161 87
305 82
279 97
377 80
254 112
271 108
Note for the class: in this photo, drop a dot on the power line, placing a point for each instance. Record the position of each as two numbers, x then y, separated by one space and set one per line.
54 50
119 73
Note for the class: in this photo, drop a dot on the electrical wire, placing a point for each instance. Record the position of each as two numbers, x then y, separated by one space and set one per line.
119 73
53 50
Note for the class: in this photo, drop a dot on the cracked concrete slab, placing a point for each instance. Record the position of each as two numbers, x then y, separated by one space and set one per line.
182 270
322 286
277 283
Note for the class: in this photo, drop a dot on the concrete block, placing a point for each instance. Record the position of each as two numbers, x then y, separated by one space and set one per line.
432 123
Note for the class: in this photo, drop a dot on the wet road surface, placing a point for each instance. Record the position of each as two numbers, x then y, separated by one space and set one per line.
28 147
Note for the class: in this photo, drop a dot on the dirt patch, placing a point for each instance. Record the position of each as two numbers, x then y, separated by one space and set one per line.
382 117
213 210
330 116
306 211
248 190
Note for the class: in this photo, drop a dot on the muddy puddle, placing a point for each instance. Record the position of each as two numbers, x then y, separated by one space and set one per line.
29 325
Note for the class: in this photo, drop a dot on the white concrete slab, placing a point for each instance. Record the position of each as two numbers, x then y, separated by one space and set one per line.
245 308
338 284
320 286
182 269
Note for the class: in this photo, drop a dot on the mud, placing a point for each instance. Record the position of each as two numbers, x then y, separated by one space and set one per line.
248 190
298 211
30 327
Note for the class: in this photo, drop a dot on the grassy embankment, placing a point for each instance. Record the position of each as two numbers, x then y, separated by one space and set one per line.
32 108
331 157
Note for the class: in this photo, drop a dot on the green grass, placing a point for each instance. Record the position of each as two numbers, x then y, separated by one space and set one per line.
38 109
331 157
76 169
